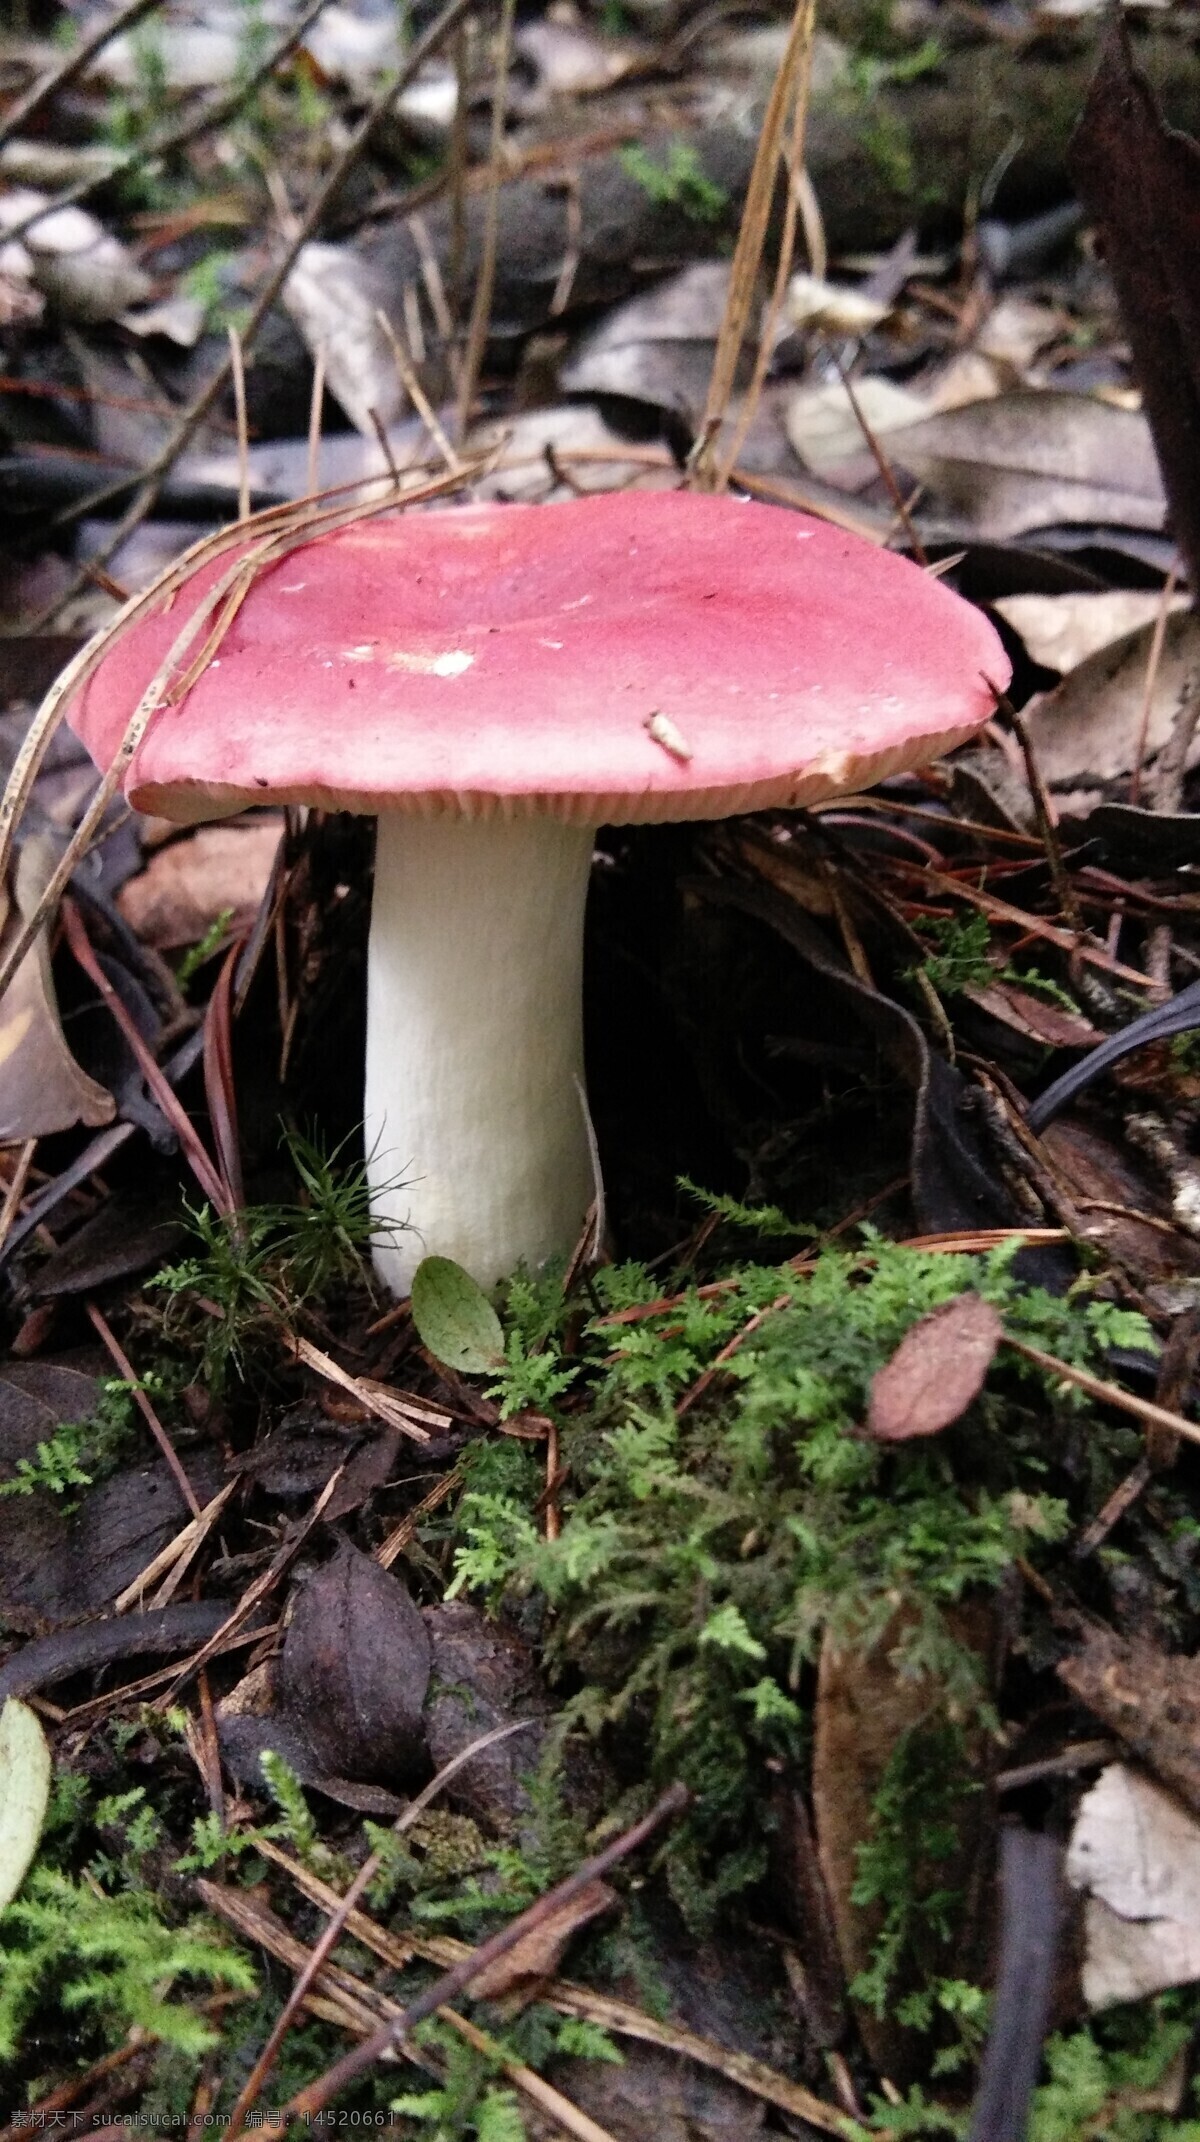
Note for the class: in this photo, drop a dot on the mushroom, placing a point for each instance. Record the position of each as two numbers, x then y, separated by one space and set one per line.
495 682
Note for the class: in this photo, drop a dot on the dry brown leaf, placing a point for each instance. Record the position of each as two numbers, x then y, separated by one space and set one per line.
355 1669
1037 1018
1085 731
865 1708
538 1953
42 1088
935 1372
186 887
1027 460
1061 631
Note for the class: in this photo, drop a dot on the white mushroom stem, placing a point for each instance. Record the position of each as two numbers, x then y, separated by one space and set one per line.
475 1128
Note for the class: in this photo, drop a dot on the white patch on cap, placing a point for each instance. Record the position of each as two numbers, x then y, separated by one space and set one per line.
450 664
664 732
365 653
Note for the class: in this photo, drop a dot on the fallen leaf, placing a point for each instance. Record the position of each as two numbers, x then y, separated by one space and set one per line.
936 1371
454 1317
538 1953
1061 631
826 433
1027 460
1035 1018
186 887
483 1675
1086 729
355 1669
866 1708
1017 328
334 298
1135 1853
25 1769
42 1088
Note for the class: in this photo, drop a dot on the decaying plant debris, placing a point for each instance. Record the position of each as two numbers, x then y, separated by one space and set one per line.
771 1639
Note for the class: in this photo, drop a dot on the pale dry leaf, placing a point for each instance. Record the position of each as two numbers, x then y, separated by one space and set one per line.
25 1771
1029 460
824 429
969 376
334 299
1016 329
42 1088
936 1371
1086 729
186 887
1135 1852
838 308
1061 631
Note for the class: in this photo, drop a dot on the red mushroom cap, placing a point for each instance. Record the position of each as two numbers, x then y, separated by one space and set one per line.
633 656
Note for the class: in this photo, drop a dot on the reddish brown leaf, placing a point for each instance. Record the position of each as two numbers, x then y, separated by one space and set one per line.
935 1372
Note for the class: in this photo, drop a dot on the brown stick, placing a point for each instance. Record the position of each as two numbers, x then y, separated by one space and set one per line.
309 2102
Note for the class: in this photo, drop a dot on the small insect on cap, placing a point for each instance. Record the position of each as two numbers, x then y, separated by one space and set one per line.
633 656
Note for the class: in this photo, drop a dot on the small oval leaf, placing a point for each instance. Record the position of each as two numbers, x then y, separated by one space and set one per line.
24 1793
454 1317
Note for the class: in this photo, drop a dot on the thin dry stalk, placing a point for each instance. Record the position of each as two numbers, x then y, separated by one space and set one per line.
175 1559
752 235
1153 660
411 1416
418 397
793 161
313 2100
161 1089
316 409
256 1592
1109 1394
1060 877
237 366
16 1187
881 461
126 1370
219 1089
481 307
396 1542
348 2002
319 1955
606 2010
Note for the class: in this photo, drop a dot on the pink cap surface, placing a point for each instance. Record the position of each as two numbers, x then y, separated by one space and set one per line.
633 656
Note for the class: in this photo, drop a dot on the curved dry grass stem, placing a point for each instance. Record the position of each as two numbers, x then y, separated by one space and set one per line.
788 94
281 529
795 207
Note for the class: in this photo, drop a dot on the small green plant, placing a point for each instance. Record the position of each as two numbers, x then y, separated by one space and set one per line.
197 955
681 182
961 955
78 1452
265 1262
704 1547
